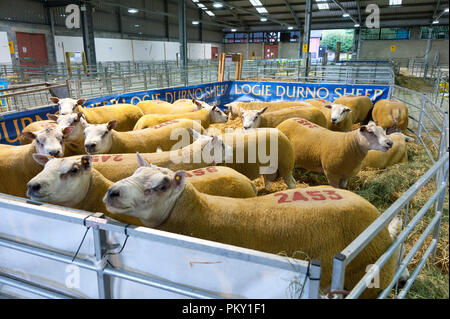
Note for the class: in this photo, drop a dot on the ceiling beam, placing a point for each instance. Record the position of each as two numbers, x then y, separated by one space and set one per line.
297 20
344 10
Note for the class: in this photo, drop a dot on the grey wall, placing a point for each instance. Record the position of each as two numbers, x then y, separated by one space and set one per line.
32 17
380 49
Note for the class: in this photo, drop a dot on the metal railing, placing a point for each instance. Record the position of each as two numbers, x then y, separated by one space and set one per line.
432 120
305 275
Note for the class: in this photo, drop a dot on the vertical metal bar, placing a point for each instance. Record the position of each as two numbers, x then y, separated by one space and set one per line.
315 272
422 110
182 32
307 34
338 274
88 34
103 281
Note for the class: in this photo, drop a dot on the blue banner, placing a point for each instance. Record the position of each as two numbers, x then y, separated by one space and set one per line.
219 93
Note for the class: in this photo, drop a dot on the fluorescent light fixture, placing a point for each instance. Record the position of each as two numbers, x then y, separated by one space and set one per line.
256 3
435 21
263 19
217 5
290 27
395 2
195 22
323 6
233 30
140 33
261 10
346 15
201 5
357 25
136 25
133 10
209 13
195 1
446 10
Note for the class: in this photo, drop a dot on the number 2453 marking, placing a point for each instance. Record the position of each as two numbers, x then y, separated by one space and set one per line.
310 195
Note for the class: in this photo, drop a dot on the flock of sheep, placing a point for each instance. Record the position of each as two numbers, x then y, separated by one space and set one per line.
119 160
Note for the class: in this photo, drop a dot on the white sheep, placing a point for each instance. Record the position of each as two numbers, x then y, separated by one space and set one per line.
318 221
103 139
67 105
72 182
16 162
338 155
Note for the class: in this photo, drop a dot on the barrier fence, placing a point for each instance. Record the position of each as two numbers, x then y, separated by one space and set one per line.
429 124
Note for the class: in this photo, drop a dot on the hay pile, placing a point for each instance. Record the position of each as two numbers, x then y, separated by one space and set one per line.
414 83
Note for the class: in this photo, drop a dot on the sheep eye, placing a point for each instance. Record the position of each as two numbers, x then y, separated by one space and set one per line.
74 170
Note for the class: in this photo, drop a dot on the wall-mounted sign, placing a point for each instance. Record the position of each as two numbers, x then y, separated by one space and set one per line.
393 47
11 47
305 47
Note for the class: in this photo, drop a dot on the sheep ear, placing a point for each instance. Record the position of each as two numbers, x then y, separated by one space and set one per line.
263 110
328 106
86 161
363 128
111 125
29 135
66 131
179 179
214 107
52 117
54 100
41 159
141 160
81 101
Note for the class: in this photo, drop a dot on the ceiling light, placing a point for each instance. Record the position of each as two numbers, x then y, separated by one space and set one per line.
395 2
357 25
435 21
195 1
256 3
346 15
211 14
233 30
323 6
133 10
261 10
290 27
217 5
195 22
446 10
136 25
263 19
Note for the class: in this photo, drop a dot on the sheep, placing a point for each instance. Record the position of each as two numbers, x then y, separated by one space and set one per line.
103 139
126 115
337 154
256 118
391 114
74 142
338 115
17 165
72 182
118 166
318 221
163 107
67 105
235 108
397 154
249 149
361 107
214 115
185 102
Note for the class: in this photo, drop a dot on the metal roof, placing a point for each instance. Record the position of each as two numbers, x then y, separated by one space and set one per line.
283 13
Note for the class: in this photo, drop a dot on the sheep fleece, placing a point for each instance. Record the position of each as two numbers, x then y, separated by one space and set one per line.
126 115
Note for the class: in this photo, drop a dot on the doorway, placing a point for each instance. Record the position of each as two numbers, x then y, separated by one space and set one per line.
271 51
214 53
32 49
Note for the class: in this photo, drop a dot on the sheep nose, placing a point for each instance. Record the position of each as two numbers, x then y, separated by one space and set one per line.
54 153
113 193
333 120
90 147
34 187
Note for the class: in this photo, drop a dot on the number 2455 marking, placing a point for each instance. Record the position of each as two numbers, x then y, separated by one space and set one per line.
310 195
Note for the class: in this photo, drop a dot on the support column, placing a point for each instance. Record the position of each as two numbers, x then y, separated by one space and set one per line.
88 34
51 21
306 35
182 32
200 26
427 51
166 20
356 43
